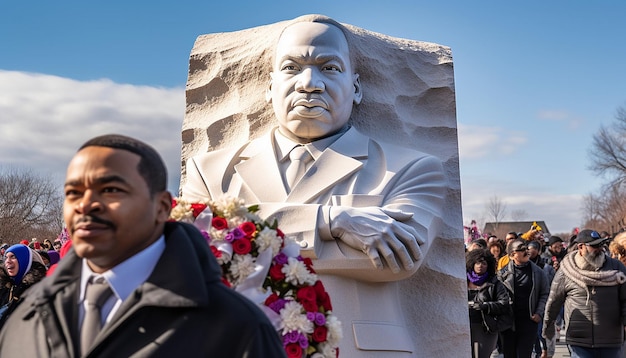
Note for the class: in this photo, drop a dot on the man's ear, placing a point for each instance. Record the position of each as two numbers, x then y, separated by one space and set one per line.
268 90
163 206
358 91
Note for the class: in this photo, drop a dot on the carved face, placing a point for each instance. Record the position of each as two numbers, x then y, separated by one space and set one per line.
312 86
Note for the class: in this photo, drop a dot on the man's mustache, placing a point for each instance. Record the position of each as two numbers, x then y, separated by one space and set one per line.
91 219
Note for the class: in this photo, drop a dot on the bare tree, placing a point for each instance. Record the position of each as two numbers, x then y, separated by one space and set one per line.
519 215
30 206
496 209
607 210
608 150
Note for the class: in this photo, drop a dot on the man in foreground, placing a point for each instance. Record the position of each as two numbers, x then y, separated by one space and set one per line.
591 285
133 284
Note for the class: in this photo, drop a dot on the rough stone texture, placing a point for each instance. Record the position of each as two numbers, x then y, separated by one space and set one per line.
409 99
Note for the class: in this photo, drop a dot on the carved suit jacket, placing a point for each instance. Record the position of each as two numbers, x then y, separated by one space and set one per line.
354 171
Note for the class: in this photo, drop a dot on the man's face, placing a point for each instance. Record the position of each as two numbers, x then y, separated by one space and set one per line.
532 251
313 85
557 247
590 251
108 209
520 255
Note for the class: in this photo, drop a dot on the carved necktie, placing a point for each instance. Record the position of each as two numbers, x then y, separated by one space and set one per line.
96 294
299 157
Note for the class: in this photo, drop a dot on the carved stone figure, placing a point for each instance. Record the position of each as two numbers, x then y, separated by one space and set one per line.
374 198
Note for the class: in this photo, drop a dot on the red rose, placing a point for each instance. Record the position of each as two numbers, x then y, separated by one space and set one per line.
271 299
293 350
217 253
307 293
276 272
197 209
219 223
249 228
309 264
280 233
319 334
319 288
324 301
309 306
174 203
242 246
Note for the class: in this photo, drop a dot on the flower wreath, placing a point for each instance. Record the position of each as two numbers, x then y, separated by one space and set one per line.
261 263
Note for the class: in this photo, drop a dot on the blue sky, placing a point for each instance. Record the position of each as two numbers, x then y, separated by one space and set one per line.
534 81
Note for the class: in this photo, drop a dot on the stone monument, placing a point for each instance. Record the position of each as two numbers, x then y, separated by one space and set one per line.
407 99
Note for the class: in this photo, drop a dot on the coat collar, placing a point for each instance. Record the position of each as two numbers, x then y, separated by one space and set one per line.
175 281
260 172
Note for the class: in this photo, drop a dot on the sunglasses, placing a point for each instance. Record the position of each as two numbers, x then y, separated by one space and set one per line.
521 248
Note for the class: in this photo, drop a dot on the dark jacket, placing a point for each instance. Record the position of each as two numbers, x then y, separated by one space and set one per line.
551 257
540 289
11 294
596 319
182 310
495 304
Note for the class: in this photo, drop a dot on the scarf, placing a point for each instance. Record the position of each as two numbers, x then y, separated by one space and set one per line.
477 279
585 278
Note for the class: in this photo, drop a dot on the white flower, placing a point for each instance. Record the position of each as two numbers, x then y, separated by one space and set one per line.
297 274
182 212
326 350
230 207
267 238
335 333
241 267
293 319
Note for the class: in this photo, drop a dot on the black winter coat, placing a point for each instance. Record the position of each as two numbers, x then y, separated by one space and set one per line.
495 304
182 310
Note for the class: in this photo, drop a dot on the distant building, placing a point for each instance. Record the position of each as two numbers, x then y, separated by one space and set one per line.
500 229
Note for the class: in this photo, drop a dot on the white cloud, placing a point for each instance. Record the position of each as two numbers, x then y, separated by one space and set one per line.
44 119
571 122
480 142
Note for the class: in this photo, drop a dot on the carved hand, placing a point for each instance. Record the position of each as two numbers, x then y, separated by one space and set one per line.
377 232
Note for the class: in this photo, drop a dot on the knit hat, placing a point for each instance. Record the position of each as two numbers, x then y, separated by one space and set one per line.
54 257
554 240
24 256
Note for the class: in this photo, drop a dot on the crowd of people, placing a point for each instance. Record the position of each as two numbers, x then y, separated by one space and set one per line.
23 265
524 289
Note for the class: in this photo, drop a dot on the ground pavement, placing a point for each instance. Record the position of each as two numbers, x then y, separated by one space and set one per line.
560 351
